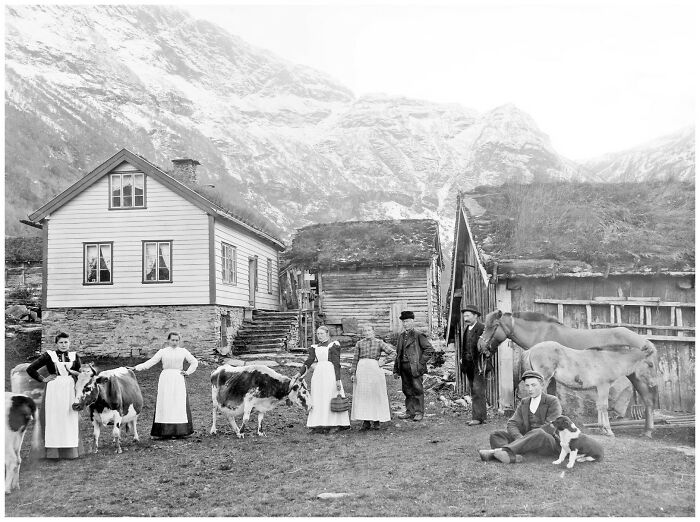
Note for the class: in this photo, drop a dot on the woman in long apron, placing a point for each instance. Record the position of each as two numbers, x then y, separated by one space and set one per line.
61 435
172 417
325 384
370 400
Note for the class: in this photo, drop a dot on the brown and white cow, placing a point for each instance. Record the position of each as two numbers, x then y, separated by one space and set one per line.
19 410
242 389
113 397
21 382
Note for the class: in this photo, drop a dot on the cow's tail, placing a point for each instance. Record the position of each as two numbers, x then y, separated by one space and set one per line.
36 447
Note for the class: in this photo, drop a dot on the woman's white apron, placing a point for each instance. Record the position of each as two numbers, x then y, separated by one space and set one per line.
61 420
171 405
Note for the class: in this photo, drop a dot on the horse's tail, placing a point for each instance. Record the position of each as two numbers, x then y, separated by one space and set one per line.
648 348
525 360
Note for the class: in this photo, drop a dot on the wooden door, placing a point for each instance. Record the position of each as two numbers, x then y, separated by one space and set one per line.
252 279
394 314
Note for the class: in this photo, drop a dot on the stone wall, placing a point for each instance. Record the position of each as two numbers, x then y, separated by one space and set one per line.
234 321
139 331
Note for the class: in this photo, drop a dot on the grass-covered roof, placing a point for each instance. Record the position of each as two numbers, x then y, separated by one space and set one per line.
579 227
365 243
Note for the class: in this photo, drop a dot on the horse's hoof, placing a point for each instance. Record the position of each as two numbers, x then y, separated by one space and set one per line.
240 435
648 434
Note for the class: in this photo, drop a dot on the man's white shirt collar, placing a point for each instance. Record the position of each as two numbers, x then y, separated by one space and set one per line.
471 326
535 403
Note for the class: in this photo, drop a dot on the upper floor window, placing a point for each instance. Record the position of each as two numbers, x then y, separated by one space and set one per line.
269 275
157 266
127 191
98 263
228 263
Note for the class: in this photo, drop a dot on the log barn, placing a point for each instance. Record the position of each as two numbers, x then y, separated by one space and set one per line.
590 255
367 272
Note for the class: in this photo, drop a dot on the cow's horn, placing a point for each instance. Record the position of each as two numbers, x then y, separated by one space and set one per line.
94 372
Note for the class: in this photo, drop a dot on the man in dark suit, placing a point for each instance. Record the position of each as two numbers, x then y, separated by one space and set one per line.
530 428
413 351
476 373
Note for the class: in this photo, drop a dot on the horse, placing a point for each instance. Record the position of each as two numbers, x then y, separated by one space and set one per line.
595 368
526 329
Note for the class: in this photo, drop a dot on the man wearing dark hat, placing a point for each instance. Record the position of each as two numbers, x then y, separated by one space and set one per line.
413 351
476 373
529 430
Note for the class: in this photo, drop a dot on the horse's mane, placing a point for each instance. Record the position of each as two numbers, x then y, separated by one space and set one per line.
535 316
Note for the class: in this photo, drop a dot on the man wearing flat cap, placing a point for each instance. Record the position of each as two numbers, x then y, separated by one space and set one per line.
413 351
530 428
470 363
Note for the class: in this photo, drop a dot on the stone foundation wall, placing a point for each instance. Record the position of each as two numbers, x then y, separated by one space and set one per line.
139 331
234 322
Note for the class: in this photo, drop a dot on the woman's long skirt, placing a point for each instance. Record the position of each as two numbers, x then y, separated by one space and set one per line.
60 423
172 417
323 389
370 400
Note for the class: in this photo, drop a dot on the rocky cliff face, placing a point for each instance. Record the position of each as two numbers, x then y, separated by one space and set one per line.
668 157
83 82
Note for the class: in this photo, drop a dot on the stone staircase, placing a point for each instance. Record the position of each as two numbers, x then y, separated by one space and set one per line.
267 332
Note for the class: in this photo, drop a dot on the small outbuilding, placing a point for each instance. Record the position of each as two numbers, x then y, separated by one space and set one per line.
366 272
590 255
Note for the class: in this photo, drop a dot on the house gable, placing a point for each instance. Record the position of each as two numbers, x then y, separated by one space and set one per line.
154 172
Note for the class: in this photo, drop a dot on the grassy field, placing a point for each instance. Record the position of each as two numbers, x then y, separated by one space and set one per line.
406 469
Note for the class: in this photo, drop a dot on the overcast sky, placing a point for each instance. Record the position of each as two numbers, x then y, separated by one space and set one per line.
596 76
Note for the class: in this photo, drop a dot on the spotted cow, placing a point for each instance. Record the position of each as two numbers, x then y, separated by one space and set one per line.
19 410
112 397
242 389
21 382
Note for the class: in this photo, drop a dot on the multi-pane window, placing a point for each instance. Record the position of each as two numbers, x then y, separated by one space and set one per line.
157 262
98 263
228 263
269 275
126 191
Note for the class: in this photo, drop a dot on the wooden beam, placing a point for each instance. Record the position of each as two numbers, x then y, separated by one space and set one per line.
589 317
560 313
649 327
617 302
671 338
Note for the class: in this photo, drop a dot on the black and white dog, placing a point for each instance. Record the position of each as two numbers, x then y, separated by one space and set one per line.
577 445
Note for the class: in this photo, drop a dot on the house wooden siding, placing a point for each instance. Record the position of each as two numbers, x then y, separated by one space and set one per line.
87 218
246 247
371 295
676 358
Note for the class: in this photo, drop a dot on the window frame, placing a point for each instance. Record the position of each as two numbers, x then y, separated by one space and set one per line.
133 196
234 264
99 244
143 261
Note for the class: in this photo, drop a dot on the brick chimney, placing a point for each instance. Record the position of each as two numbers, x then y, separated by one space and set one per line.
185 170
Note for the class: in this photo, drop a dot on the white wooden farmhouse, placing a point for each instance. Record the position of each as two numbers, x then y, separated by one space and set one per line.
131 253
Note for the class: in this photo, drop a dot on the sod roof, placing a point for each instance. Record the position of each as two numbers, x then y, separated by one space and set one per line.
365 243
584 227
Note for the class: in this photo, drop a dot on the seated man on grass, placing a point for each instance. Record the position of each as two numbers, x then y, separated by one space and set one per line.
529 430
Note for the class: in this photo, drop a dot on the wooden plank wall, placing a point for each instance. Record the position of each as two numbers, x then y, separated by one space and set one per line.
676 372
368 295
474 291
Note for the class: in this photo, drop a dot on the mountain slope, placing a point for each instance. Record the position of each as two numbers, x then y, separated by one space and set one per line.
83 82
